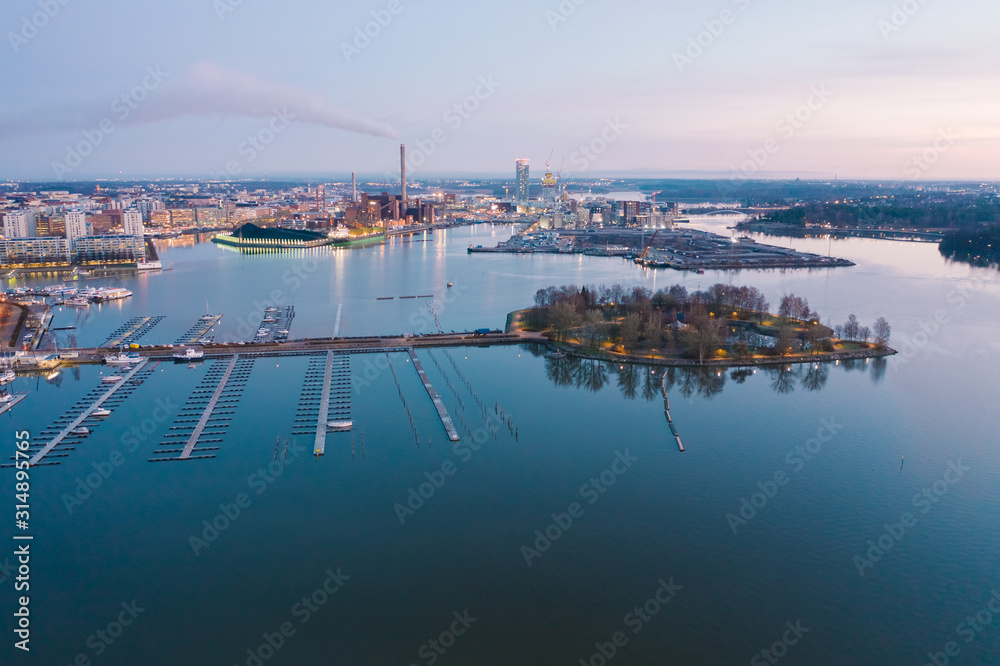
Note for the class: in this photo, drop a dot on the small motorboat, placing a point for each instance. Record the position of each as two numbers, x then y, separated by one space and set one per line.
112 379
80 431
450 285
101 412
340 426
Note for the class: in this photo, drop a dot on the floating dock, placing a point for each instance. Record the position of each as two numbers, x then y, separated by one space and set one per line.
326 396
446 421
199 330
213 407
131 331
18 397
76 422
268 331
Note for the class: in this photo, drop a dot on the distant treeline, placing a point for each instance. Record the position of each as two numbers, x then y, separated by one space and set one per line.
964 213
977 247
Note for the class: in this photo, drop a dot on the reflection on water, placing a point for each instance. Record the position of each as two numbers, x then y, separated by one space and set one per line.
635 380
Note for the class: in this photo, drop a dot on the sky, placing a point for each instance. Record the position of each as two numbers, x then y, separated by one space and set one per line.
887 90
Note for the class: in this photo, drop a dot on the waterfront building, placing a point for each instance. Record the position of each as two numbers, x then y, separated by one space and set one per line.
34 251
109 248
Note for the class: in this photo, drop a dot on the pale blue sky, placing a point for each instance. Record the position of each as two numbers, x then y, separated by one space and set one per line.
890 95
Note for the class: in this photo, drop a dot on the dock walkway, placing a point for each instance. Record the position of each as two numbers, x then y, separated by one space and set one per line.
85 414
446 421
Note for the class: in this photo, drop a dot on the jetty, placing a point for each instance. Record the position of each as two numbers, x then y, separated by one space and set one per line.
213 411
446 421
131 331
196 333
78 420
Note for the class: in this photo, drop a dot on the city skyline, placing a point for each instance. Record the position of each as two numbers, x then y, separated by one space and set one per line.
877 91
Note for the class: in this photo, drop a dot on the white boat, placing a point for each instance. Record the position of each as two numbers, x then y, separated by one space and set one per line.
101 412
340 426
78 302
7 377
268 320
190 354
112 379
149 265
207 317
5 398
122 359
80 431
205 341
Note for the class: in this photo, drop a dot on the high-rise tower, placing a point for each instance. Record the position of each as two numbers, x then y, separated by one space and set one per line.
522 181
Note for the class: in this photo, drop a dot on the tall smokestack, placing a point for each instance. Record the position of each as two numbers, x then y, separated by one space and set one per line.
354 187
402 167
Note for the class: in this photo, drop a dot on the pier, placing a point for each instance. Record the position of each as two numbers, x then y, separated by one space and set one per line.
131 331
76 422
200 329
213 415
341 404
276 329
17 397
446 421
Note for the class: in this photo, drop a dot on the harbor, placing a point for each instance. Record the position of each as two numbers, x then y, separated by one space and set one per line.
680 249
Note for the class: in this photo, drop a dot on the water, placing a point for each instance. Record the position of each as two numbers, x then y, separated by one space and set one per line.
403 572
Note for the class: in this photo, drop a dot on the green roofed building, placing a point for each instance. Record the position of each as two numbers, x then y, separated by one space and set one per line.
250 235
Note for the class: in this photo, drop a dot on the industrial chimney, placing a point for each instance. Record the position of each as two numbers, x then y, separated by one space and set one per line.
402 167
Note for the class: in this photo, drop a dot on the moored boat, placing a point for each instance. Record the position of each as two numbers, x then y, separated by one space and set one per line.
122 359
189 354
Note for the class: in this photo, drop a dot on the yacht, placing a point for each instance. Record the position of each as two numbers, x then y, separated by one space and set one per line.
189 354
101 412
149 265
7 377
80 431
78 302
5 398
340 426
112 379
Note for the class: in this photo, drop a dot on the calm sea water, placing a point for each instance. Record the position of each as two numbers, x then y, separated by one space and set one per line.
584 453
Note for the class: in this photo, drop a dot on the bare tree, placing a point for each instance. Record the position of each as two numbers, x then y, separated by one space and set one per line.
652 330
851 328
882 332
628 332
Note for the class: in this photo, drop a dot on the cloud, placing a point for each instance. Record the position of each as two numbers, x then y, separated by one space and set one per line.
206 91
210 90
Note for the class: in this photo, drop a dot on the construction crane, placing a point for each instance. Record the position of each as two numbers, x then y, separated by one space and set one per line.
550 159
651 241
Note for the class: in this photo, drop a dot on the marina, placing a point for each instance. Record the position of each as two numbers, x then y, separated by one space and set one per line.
196 334
71 422
214 408
132 331
275 325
